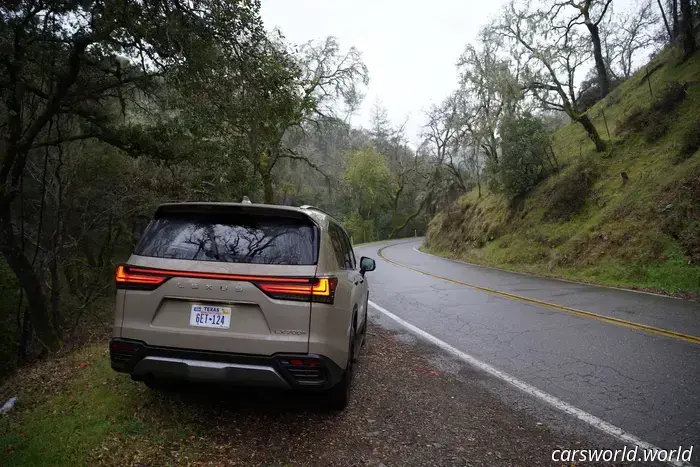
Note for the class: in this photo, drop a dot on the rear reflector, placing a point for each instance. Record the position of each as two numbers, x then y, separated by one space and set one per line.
121 346
282 288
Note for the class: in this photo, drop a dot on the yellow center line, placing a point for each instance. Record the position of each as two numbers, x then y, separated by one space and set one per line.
574 311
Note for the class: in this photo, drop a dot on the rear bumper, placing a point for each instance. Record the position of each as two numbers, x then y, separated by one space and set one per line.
284 371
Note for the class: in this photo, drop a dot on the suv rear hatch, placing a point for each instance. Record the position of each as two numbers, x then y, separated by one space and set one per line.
221 277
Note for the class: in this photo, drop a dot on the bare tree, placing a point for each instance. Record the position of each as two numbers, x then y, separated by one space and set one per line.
489 77
444 135
676 22
671 36
631 34
553 61
589 13
329 78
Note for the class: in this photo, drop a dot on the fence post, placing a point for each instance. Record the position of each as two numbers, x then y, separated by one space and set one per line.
649 83
605 120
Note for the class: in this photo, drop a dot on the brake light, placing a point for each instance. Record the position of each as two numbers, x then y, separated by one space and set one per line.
137 278
321 290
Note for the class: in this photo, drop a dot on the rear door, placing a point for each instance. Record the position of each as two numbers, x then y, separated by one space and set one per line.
233 281
348 277
359 282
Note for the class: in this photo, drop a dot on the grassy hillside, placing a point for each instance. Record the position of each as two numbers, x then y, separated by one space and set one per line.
586 222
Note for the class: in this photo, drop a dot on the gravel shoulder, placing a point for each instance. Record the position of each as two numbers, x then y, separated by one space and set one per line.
410 407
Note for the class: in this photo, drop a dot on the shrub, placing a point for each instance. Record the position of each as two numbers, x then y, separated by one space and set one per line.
635 122
690 142
523 162
359 229
670 98
653 122
680 216
656 130
568 196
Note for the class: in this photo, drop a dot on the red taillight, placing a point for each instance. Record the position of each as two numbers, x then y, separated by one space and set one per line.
138 278
320 290
282 288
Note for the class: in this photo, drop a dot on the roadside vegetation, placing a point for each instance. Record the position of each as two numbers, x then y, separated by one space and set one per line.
610 199
110 109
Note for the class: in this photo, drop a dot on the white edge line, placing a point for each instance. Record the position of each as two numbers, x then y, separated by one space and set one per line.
555 402
568 281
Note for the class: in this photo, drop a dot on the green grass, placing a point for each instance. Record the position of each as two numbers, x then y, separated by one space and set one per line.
634 235
672 277
79 415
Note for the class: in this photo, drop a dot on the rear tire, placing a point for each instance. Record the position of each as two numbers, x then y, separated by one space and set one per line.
158 384
339 395
364 325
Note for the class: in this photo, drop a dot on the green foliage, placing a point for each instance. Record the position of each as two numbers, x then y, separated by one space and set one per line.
639 233
569 193
360 230
522 164
654 121
680 216
690 142
369 179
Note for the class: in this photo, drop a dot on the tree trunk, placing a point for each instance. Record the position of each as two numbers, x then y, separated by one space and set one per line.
687 29
663 15
493 148
268 191
36 300
592 132
603 77
395 230
55 295
25 336
674 19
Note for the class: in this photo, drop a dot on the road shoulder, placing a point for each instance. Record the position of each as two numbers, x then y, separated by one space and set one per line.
411 406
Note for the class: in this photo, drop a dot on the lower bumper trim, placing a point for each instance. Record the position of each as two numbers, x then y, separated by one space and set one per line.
198 370
277 371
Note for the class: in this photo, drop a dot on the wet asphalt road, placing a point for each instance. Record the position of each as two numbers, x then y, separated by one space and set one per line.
646 384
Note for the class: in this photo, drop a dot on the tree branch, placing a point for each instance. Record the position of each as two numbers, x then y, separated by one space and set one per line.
297 157
602 15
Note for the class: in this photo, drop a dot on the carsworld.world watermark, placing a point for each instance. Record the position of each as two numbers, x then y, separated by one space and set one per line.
628 454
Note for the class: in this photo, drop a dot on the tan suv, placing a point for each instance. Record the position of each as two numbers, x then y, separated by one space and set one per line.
246 294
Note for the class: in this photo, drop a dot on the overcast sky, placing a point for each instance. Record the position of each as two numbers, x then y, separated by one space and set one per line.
410 47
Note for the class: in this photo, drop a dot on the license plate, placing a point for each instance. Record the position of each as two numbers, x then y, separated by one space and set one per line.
207 316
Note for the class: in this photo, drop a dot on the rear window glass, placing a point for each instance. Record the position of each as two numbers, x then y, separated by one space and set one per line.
230 239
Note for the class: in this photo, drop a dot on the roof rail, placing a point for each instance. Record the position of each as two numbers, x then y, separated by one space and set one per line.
308 206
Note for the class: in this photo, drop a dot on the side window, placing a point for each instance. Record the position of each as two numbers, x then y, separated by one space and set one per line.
337 242
342 248
349 253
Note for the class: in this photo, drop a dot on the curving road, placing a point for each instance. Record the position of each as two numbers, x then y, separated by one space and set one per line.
641 380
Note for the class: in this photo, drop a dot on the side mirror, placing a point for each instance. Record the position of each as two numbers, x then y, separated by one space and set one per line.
367 264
